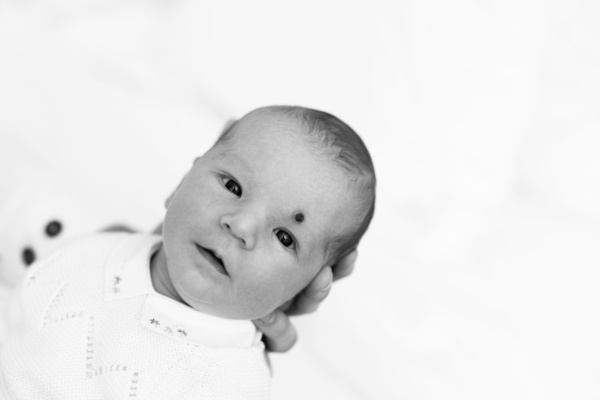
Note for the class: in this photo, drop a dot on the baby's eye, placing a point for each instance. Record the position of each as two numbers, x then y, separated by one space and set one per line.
285 238
233 187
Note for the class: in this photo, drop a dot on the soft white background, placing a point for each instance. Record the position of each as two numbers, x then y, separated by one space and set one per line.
480 275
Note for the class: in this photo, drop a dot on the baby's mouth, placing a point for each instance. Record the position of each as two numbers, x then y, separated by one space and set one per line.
218 263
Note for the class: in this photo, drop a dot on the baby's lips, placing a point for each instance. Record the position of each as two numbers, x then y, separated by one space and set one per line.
219 256
215 256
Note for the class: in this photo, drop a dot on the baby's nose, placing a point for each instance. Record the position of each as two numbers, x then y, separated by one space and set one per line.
242 227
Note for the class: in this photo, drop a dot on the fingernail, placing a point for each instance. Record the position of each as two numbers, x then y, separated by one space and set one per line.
328 285
268 318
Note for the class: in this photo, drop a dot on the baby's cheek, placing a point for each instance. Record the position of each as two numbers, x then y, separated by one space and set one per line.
272 290
296 282
252 302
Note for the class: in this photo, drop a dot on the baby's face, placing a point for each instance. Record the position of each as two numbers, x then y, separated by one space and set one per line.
240 202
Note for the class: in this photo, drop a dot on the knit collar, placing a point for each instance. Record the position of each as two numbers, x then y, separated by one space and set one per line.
128 275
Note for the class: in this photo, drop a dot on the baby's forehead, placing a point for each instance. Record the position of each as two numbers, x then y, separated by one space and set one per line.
277 146
264 140
259 121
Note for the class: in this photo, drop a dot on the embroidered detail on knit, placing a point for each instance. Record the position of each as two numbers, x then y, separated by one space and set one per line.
118 282
108 368
115 286
51 316
169 330
89 348
35 272
92 370
134 385
63 317
57 296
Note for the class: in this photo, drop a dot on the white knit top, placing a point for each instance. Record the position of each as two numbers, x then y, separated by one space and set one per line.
87 324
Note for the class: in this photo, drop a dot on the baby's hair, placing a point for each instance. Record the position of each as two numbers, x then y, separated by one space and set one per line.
340 143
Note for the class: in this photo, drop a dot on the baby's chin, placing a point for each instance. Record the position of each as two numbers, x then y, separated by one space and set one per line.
251 314
247 308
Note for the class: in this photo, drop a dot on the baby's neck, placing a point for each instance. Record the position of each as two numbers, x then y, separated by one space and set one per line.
160 276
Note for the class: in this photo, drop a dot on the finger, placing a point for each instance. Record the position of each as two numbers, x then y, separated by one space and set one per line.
309 299
279 335
345 266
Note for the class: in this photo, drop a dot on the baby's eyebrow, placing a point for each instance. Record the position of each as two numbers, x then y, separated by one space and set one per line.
239 160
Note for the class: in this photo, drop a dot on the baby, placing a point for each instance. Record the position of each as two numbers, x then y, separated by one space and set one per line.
284 192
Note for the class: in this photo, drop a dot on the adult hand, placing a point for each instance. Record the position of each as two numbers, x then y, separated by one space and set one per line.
279 333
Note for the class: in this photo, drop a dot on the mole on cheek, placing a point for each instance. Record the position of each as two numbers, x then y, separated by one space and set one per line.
299 217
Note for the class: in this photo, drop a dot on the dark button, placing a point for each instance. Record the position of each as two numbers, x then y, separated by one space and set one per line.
28 256
53 228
